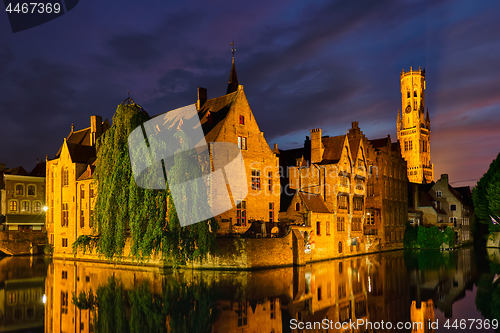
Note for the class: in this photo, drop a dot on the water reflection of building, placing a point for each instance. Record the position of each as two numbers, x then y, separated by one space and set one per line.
21 293
68 278
374 288
422 312
442 278
388 288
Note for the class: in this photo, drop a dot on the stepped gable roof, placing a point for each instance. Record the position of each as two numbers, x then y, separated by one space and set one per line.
18 171
333 149
213 113
38 170
286 199
314 202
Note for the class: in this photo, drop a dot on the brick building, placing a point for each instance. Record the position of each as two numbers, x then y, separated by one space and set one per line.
70 191
22 199
386 197
229 118
329 174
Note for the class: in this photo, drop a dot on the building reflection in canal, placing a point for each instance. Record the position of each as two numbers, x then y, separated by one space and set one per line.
390 287
21 293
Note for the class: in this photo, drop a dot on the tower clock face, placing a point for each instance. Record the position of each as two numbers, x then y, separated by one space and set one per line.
408 109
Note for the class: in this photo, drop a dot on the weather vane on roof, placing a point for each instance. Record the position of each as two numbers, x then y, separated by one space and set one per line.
232 48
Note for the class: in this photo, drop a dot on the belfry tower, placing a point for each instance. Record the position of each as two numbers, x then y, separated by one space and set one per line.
414 127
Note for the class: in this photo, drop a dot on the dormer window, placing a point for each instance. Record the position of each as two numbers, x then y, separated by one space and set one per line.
242 120
439 194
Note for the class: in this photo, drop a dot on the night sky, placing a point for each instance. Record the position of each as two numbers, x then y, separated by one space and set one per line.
303 65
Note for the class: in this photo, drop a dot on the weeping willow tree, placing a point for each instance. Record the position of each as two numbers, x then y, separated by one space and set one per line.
124 210
486 196
179 308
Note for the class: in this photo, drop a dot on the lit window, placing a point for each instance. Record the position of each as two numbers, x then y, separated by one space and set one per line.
13 206
82 192
242 143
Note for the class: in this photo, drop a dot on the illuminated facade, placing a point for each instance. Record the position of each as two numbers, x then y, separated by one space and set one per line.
414 127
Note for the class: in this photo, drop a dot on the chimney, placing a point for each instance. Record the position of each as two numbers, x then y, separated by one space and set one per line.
202 97
444 178
95 129
316 146
275 149
354 125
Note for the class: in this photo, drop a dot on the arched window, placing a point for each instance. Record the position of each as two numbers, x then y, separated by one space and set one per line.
37 207
31 190
25 206
297 206
19 189
340 247
13 206
415 92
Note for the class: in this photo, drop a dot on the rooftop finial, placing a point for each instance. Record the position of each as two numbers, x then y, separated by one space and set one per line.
72 127
232 48
233 79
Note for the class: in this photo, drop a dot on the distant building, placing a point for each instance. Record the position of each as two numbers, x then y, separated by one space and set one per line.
439 204
22 198
414 127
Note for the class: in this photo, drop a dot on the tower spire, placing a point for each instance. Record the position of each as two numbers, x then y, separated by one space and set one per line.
233 78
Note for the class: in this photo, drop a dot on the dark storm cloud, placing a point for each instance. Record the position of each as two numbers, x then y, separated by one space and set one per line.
303 65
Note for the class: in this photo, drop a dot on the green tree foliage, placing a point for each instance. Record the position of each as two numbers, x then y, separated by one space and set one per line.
125 211
486 195
428 238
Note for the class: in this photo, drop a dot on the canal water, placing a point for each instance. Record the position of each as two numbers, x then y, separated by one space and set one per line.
426 291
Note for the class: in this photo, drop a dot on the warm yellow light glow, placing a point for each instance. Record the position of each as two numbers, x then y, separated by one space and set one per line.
45 208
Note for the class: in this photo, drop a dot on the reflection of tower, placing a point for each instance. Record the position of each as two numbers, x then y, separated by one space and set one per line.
424 315
414 127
